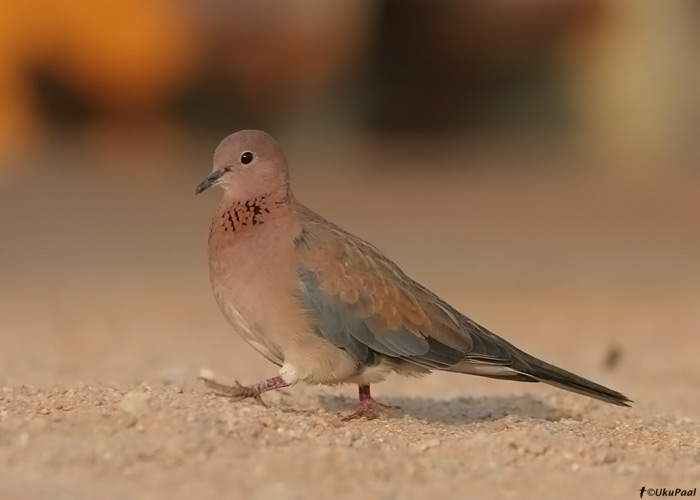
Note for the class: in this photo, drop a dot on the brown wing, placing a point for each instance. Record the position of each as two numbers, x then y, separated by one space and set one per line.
362 302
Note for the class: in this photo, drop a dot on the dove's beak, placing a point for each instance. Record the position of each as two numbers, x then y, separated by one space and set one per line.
209 181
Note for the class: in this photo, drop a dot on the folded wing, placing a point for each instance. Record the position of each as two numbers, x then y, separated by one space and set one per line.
362 302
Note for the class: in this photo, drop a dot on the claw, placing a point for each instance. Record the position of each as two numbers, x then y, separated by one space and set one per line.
369 410
238 392
368 407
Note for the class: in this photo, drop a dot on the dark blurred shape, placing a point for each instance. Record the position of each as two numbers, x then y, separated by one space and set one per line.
60 103
442 65
612 358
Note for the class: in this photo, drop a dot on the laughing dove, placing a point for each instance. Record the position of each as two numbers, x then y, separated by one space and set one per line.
329 308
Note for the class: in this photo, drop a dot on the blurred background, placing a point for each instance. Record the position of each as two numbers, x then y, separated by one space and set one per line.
536 163
618 79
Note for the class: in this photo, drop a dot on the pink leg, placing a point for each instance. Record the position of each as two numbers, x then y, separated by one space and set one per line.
270 384
367 405
238 392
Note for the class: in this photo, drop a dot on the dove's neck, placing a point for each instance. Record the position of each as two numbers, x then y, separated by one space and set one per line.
235 216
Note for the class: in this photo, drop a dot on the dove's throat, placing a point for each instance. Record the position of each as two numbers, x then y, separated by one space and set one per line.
235 217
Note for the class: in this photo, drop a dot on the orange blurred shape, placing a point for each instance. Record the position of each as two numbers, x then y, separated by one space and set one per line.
126 57
19 45
129 56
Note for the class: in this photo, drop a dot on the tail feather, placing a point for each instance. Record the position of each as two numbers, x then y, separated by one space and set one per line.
526 368
552 375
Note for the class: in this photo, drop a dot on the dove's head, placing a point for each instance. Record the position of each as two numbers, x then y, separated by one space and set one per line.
248 164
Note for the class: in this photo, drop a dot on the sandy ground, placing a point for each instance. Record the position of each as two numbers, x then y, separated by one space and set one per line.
106 318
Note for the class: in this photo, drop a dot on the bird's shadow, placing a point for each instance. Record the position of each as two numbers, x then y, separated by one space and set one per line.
461 410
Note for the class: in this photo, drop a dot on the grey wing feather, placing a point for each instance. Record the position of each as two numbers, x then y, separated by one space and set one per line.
365 337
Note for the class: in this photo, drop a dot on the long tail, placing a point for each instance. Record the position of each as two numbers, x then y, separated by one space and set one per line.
550 374
527 368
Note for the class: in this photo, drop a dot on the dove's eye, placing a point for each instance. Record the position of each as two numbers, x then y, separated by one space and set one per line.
246 157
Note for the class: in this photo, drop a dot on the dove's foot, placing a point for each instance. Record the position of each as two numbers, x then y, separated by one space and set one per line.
368 406
237 392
